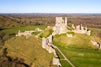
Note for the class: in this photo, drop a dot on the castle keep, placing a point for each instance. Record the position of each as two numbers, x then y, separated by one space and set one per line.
60 25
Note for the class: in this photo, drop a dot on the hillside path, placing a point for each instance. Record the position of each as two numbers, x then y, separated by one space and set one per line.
65 58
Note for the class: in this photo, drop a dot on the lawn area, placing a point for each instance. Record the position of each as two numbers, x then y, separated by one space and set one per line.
78 50
65 63
15 30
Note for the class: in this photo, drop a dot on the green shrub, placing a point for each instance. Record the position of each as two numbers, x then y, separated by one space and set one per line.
71 33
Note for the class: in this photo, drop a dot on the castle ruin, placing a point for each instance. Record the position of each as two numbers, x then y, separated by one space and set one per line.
26 33
82 30
60 25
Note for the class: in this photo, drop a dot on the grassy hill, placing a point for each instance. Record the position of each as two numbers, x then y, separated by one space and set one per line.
80 40
11 32
29 50
78 50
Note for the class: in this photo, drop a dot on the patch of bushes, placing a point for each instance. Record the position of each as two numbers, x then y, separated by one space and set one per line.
4 37
71 33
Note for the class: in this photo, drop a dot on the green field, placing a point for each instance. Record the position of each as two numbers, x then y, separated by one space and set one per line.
15 30
78 50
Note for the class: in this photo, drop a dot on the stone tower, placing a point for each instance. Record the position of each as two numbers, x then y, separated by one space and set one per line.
60 25
65 21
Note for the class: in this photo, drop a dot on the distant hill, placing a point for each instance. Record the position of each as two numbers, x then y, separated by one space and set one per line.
7 22
16 20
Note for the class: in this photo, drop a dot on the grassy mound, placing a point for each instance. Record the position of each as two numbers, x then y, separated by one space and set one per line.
46 32
79 50
79 40
29 50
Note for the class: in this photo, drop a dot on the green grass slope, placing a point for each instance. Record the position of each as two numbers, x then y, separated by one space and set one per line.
29 50
78 50
78 40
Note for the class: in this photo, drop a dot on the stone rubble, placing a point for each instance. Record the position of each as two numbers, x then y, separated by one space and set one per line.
47 44
98 45
82 30
26 33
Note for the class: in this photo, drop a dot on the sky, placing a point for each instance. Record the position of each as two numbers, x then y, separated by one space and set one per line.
50 6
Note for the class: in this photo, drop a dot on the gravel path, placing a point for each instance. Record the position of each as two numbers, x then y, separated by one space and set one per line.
65 58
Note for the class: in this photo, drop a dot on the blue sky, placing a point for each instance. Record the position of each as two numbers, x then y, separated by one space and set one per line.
50 6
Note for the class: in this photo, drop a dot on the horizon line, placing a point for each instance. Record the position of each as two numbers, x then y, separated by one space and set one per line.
44 13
